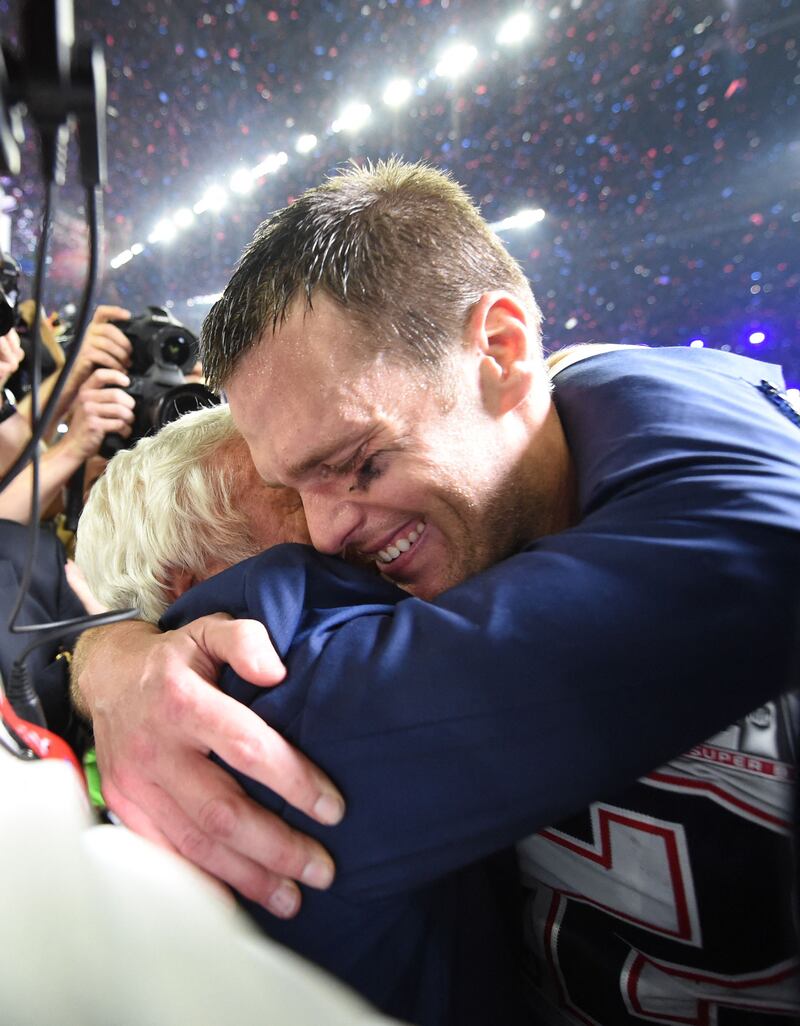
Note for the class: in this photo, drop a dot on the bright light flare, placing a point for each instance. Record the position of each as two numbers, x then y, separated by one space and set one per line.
455 60
164 231
522 219
397 92
514 29
214 198
697 343
241 181
205 300
306 143
183 217
756 338
269 165
121 258
353 117
137 248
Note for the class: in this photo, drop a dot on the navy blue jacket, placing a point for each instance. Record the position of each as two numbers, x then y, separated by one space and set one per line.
456 727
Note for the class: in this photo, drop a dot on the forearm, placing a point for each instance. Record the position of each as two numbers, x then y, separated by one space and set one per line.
56 466
96 651
458 727
14 434
65 400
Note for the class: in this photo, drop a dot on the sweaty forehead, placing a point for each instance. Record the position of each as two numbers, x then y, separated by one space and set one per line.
312 387
296 410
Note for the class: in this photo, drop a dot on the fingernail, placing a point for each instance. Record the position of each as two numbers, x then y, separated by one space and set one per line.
329 809
284 901
318 873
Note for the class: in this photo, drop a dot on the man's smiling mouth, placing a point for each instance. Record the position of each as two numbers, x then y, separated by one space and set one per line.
401 544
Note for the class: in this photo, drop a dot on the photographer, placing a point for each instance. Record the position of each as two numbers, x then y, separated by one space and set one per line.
93 401
101 406
104 345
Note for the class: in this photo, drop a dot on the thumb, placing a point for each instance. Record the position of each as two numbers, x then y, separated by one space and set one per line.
244 644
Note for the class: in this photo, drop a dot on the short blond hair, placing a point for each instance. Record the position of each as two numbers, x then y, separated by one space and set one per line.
401 247
167 505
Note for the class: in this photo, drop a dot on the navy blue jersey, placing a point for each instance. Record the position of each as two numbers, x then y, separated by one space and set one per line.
558 677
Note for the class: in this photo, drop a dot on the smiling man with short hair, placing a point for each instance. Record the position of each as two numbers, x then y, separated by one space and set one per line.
609 562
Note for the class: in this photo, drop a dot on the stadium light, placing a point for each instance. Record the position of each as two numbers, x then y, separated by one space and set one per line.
121 258
306 143
455 60
269 165
164 231
214 199
514 29
522 219
397 92
353 117
241 181
183 217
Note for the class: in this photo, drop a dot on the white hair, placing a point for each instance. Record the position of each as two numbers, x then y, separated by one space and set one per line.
165 506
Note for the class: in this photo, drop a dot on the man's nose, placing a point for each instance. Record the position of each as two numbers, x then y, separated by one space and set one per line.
331 521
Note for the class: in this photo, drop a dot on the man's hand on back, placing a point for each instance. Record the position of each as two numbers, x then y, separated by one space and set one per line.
156 718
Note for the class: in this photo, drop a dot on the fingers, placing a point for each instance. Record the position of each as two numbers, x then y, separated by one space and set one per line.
103 395
154 729
134 817
105 345
107 312
217 840
103 377
252 747
243 644
228 728
102 406
248 744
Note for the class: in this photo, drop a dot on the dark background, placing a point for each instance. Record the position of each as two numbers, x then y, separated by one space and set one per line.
661 138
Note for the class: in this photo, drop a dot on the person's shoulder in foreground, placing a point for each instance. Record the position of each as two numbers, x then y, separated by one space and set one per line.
651 420
98 910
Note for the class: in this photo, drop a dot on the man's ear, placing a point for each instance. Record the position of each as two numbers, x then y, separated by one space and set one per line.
501 335
178 582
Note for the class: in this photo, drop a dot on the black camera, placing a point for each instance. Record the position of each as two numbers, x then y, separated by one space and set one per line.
163 352
9 293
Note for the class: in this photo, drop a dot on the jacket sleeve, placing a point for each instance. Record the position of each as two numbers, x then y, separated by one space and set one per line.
457 727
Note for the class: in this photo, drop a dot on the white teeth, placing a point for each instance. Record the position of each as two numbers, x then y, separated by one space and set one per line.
400 545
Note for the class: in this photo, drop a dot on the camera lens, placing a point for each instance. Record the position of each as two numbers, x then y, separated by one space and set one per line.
182 399
174 348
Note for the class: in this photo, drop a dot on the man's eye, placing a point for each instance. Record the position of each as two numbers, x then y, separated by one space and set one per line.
366 473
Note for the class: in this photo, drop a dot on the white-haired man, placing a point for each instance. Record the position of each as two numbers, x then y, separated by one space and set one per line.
178 508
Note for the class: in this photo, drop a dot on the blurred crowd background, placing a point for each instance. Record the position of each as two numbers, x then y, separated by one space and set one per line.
660 139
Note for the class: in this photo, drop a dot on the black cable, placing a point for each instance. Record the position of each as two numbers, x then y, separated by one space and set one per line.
38 295
49 631
93 201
